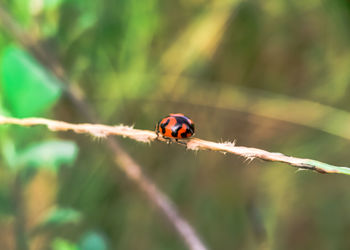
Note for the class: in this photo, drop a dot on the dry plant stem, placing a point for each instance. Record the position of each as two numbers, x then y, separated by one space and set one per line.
157 197
147 136
162 202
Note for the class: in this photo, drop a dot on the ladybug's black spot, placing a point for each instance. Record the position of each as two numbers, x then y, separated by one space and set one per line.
175 130
184 134
184 120
180 120
163 125
191 128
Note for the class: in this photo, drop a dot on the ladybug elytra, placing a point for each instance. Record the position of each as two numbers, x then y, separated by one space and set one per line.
176 126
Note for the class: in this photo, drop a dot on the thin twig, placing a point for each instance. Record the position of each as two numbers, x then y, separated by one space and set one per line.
147 136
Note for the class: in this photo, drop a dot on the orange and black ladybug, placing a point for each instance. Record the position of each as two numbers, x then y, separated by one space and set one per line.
175 126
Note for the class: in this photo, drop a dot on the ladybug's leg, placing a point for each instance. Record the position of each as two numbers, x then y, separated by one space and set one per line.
181 142
157 130
168 140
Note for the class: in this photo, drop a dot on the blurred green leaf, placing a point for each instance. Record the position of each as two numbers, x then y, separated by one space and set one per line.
93 241
60 216
3 111
48 154
28 88
6 208
8 152
62 244
21 9
7 148
52 4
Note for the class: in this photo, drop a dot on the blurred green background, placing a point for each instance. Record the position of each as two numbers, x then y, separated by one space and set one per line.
270 74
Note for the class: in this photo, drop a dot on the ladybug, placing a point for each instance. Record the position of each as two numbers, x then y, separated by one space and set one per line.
175 126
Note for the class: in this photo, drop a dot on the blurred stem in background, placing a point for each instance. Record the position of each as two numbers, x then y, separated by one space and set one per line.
19 211
197 43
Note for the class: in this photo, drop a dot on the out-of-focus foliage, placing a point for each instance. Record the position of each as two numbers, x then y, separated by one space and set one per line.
50 154
60 216
61 244
93 241
30 158
269 74
27 87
